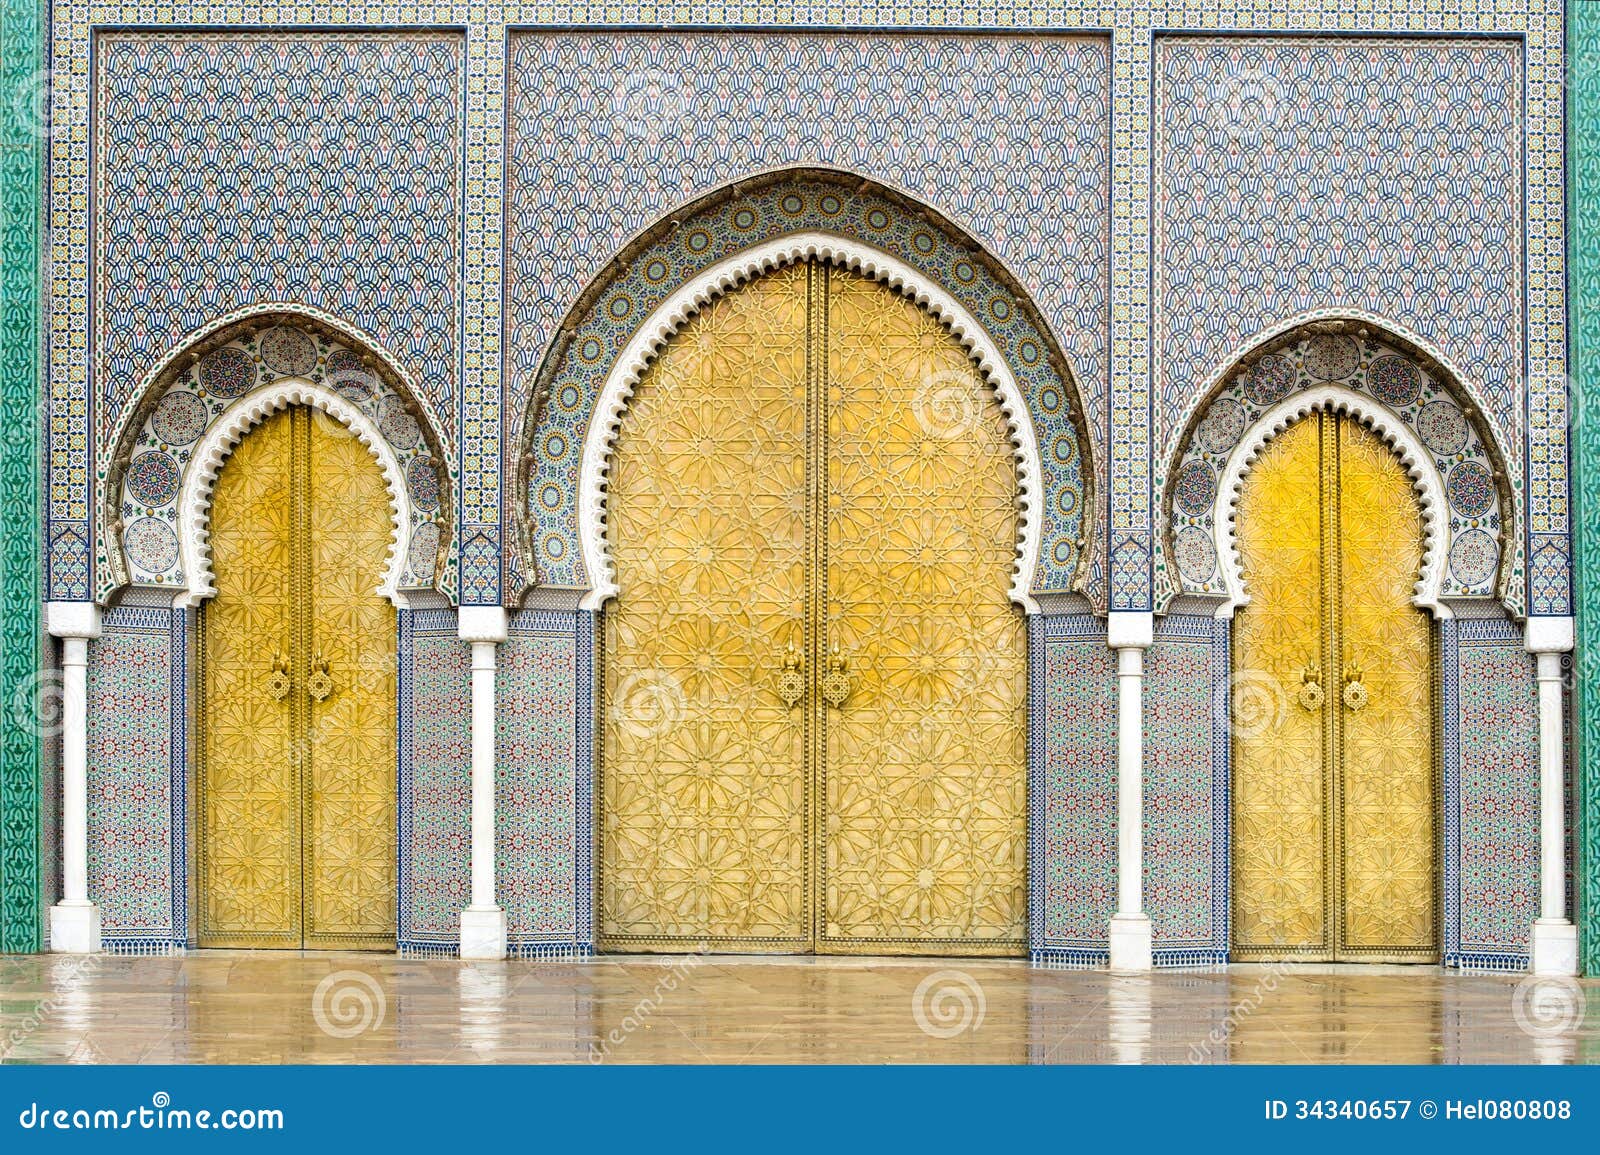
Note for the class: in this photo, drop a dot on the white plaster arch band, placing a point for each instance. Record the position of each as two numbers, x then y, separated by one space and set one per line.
1418 463
200 479
729 274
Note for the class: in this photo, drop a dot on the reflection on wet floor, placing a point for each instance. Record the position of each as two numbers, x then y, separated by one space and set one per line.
240 1006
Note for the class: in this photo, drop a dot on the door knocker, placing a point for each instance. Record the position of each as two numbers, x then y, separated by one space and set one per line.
791 678
1310 695
320 684
278 680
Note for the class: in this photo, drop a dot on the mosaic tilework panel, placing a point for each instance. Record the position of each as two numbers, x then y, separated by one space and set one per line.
1476 526
1300 174
609 132
1491 894
137 771
541 882
234 169
1185 807
1073 788
435 844
211 387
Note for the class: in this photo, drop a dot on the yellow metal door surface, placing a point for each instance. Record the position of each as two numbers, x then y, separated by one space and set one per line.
297 676
813 736
923 765
1334 791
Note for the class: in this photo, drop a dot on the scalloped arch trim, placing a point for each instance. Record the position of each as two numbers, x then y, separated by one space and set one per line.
727 276
1425 481
199 482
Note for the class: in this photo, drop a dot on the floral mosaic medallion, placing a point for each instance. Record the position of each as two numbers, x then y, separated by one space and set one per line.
228 373
153 478
1473 555
1331 357
152 545
1394 380
180 418
1194 553
1470 488
1270 380
288 352
398 427
423 479
1443 427
1223 425
1195 488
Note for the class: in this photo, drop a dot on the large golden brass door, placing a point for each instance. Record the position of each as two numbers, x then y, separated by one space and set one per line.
296 726
1334 792
814 731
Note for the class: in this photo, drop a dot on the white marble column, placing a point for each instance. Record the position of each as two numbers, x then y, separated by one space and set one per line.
75 920
483 923
1555 939
1130 634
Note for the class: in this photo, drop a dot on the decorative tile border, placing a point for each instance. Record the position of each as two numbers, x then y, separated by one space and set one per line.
138 780
1583 127
1490 799
22 149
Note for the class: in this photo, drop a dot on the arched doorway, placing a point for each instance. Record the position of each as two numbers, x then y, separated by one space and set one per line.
814 731
1335 792
296 679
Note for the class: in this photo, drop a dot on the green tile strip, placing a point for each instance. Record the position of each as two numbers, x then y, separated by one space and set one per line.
22 134
1583 214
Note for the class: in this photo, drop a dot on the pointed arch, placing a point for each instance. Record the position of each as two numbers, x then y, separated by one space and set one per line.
726 276
1391 382
219 441
345 376
579 389
1425 483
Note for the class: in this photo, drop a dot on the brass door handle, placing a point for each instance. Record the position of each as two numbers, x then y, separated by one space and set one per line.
836 680
278 680
1310 695
791 677
1355 694
320 684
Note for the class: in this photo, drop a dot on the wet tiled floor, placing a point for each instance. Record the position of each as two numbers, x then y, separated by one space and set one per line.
273 1007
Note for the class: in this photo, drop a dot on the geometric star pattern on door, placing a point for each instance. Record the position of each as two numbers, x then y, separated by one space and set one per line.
814 484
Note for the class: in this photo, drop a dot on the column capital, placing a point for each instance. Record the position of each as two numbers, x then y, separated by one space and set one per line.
72 619
1547 635
482 624
1130 629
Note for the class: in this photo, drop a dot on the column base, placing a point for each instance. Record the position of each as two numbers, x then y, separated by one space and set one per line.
75 928
483 933
1131 935
1555 947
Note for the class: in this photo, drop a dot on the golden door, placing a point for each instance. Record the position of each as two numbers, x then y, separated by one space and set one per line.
296 727
1334 795
814 736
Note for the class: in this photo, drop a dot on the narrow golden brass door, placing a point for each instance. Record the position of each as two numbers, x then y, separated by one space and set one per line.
296 725
1334 795
814 731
